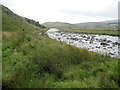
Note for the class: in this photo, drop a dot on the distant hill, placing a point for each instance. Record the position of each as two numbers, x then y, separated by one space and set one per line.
12 21
111 21
108 23
90 24
58 25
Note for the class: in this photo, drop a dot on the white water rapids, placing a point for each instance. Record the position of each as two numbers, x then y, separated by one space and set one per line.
104 44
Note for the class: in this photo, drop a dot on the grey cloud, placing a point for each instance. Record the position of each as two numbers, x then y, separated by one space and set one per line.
110 13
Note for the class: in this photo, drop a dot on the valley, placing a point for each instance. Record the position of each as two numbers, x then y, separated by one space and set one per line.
31 59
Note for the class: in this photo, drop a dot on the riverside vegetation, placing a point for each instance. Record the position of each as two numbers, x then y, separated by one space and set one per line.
31 60
98 30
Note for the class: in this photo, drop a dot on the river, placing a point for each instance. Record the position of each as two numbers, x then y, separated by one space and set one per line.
103 44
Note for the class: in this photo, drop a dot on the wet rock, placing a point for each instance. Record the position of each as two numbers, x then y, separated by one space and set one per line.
99 40
113 45
109 47
104 48
76 39
108 41
58 38
85 39
91 42
104 44
88 37
97 46
116 43
111 53
104 40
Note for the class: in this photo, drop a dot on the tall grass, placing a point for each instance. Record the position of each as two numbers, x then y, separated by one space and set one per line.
31 60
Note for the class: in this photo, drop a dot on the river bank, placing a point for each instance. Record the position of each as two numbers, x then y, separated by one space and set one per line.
103 44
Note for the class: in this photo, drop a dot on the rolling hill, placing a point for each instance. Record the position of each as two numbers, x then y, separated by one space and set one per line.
108 23
13 22
90 24
60 25
111 21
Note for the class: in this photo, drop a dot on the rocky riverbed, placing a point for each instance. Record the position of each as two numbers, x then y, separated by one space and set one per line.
104 44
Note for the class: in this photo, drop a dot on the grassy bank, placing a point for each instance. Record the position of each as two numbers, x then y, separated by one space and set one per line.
102 30
31 60
14 22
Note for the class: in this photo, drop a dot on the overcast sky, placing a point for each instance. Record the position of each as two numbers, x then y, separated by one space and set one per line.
71 11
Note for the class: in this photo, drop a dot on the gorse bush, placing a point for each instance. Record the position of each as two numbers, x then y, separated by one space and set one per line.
31 60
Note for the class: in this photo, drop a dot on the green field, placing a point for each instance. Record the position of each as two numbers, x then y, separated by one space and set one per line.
101 30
